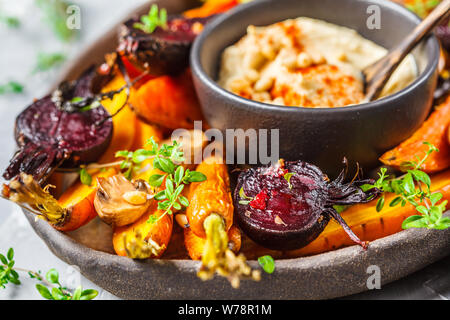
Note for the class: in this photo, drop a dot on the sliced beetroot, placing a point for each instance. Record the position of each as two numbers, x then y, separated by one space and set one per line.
49 136
165 51
286 206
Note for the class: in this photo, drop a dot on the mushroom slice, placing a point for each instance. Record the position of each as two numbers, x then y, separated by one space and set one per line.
119 202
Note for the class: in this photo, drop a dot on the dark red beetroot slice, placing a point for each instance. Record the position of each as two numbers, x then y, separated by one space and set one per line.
49 137
284 215
164 51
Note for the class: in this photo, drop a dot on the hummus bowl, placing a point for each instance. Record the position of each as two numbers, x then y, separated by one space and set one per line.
322 136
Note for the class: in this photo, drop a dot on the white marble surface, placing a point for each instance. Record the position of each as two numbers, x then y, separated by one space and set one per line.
17 57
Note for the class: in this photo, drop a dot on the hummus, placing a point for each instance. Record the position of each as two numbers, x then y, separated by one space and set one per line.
305 62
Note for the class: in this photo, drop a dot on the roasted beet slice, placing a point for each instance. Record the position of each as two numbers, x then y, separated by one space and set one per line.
287 205
49 136
165 51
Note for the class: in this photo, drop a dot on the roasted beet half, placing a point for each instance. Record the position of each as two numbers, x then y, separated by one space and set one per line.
49 136
287 205
165 51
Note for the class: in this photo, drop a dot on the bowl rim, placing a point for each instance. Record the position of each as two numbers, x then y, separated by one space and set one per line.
431 42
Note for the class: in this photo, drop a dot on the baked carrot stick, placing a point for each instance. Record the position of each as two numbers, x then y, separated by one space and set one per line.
435 131
168 101
195 245
367 223
141 239
71 211
210 217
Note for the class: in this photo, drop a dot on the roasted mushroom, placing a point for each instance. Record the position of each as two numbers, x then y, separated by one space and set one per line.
287 205
119 202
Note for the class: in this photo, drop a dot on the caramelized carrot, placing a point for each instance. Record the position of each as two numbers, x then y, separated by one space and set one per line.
196 245
211 7
71 211
124 123
168 101
434 131
367 223
142 240
210 217
210 196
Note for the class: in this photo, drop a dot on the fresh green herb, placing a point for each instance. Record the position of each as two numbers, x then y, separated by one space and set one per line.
267 263
9 274
11 22
11 87
55 14
155 18
415 188
47 61
165 158
85 177
244 198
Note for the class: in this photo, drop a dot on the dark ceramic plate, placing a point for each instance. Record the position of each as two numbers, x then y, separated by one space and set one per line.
333 274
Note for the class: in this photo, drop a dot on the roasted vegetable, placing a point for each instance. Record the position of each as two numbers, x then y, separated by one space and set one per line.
210 196
125 122
168 101
141 239
49 136
210 8
369 224
434 131
210 216
287 205
195 245
71 211
165 51
119 202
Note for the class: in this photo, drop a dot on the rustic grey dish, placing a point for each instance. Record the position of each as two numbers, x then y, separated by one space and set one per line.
333 274
322 136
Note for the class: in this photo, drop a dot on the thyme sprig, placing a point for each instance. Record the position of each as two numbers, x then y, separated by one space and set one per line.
11 87
48 287
155 18
176 177
415 188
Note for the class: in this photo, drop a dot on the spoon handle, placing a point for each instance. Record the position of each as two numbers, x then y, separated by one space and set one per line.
377 74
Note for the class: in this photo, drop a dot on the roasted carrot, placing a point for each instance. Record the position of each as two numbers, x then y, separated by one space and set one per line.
367 223
71 211
210 217
210 196
211 7
433 130
195 245
142 240
168 101
124 123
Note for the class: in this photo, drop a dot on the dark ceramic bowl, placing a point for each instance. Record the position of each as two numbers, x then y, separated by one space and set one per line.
320 136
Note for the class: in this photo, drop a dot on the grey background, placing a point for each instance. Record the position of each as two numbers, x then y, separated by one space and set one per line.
17 59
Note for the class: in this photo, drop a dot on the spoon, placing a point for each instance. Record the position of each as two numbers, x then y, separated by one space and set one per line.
377 74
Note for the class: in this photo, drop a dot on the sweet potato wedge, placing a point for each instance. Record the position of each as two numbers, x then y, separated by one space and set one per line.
367 223
433 130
